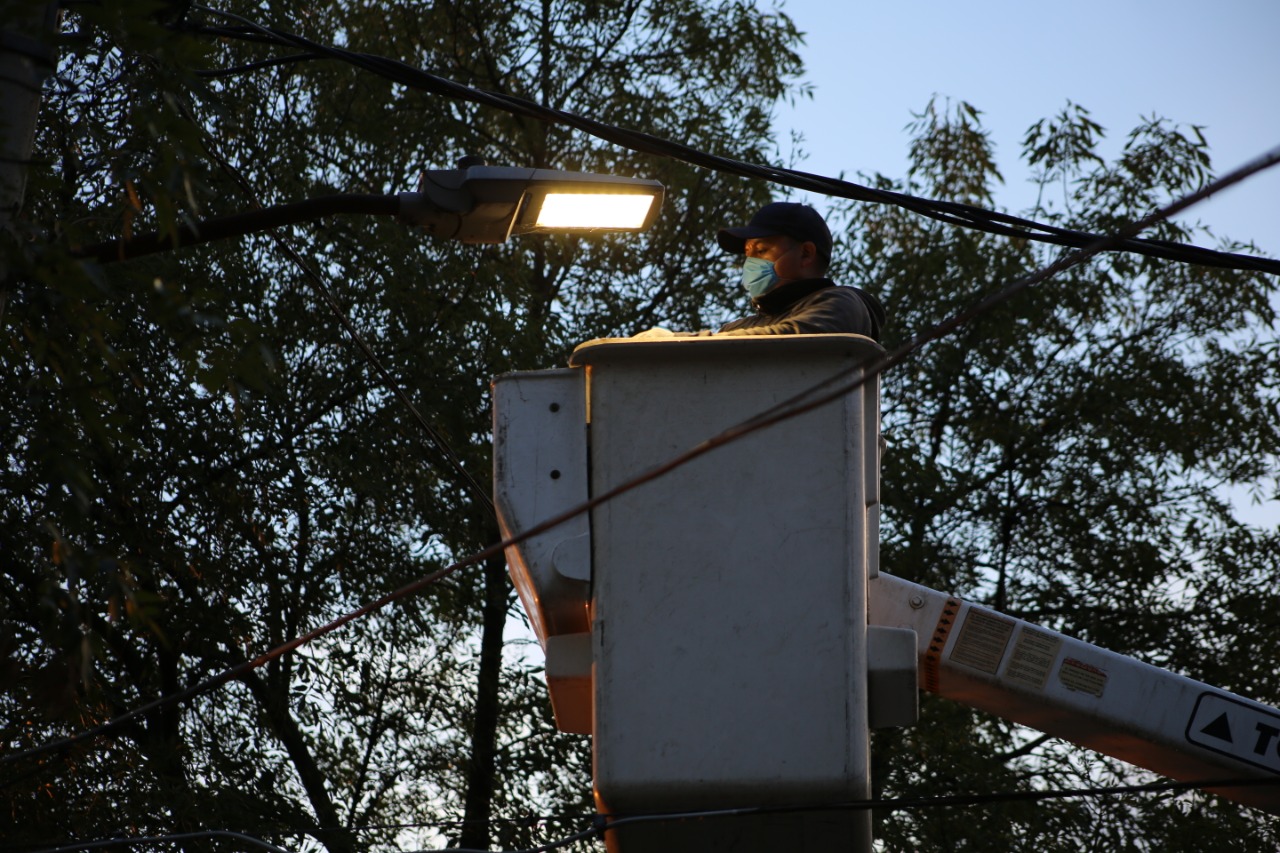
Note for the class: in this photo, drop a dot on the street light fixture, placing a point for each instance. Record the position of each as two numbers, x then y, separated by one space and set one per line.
476 203
473 203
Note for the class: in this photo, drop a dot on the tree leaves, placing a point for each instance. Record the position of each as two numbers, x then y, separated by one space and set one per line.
199 466
219 469
1062 459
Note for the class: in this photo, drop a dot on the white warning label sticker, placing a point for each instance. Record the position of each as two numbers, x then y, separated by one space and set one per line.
1033 656
982 640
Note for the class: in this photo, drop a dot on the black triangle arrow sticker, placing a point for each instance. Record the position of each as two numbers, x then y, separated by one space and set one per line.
1219 728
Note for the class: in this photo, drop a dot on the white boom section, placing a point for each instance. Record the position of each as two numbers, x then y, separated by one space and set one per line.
1085 694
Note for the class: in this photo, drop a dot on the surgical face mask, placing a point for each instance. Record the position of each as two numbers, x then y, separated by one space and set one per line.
758 276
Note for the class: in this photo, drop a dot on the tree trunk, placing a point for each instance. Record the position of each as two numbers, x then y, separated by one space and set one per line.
481 781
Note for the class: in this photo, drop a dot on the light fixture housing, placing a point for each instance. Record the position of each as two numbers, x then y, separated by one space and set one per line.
488 204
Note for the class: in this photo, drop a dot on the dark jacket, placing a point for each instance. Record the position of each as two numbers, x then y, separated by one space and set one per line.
811 306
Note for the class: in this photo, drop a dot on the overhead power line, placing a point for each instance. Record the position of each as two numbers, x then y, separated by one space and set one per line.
604 823
954 213
1122 239
607 823
600 824
153 840
795 407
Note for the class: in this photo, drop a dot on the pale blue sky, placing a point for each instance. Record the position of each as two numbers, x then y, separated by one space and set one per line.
1214 63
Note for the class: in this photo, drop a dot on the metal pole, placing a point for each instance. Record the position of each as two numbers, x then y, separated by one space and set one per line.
27 57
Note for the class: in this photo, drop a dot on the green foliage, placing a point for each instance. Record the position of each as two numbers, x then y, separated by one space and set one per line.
199 465
1063 459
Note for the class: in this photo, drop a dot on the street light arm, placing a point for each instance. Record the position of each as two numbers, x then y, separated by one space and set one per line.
478 204
238 225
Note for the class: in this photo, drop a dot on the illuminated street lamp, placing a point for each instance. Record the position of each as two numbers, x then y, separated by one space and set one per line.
487 204
474 203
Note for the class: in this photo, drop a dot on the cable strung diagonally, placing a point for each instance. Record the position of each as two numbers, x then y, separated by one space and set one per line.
955 213
156 840
602 824
782 412
1123 240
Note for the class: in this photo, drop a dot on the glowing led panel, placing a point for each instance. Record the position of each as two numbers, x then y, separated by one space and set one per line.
594 210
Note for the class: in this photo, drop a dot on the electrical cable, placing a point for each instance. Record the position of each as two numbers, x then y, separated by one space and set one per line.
162 839
602 823
593 832
256 66
259 220
1120 239
801 404
955 213
954 800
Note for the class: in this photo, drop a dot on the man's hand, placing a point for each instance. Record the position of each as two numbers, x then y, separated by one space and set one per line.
657 333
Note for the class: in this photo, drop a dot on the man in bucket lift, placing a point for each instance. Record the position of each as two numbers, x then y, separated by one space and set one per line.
787 249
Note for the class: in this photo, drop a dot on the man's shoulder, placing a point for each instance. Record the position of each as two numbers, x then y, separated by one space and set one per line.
843 293
831 290
825 288
864 312
873 305
812 306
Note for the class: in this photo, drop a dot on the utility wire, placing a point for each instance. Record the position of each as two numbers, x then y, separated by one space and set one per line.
949 212
1122 238
954 213
149 840
602 823
799 405
257 66
593 832
958 800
